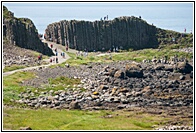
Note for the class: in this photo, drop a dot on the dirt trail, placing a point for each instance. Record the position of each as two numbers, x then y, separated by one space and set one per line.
60 49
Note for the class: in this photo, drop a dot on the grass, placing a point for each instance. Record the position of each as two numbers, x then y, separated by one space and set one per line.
80 60
49 119
11 86
13 67
62 83
138 55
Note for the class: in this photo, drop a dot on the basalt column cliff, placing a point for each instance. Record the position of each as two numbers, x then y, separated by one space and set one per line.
124 32
22 32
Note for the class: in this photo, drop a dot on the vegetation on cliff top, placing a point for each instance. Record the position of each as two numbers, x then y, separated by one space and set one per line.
6 13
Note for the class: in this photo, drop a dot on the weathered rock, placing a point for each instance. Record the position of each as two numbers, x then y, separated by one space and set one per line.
169 68
182 77
74 105
184 67
103 87
159 67
25 128
121 106
112 71
133 70
119 74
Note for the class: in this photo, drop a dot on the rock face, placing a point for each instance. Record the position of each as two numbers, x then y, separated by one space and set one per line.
22 32
122 32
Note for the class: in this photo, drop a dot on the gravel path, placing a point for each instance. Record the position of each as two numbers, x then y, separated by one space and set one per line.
60 59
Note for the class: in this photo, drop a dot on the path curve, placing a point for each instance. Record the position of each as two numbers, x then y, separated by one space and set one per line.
60 49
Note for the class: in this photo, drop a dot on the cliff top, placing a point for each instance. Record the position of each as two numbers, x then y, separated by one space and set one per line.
10 15
7 14
115 19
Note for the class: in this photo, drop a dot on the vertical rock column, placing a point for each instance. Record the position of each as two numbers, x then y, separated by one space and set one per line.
126 32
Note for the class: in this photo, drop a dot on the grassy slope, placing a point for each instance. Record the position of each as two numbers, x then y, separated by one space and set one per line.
49 119
11 86
137 56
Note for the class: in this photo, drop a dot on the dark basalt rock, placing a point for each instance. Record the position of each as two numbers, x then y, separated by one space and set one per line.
23 33
184 67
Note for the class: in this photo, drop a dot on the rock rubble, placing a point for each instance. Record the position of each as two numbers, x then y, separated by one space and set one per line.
107 86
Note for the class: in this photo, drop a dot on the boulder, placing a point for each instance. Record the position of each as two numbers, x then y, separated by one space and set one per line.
74 105
121 106
182 77
25 128
169 68
184 67
119 74
134 70
103 87
159 67
112 71
191 74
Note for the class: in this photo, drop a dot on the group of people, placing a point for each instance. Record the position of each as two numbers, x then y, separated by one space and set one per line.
80 53
55 59
104 18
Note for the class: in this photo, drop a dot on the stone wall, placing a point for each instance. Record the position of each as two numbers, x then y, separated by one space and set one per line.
124 32
22 32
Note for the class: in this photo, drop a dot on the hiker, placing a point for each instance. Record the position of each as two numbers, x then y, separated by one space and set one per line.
184 30
50 60
63 55
51 46
40 57
56 59
55 49
66 47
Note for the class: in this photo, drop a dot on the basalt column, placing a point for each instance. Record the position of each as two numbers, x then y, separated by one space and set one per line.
122 32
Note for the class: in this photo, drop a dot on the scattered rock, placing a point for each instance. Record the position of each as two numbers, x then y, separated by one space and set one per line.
119 74
133 70
74 105
182 77
25 128
184 67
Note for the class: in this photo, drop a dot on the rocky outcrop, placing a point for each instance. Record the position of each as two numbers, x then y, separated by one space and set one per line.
22 32
122 32
101 90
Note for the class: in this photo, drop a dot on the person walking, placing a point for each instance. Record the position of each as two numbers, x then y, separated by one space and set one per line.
56 59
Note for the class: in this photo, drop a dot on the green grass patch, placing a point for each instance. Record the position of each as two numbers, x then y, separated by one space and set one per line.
137 55
140 55
11 86
80 60
49 119
62 83
13 67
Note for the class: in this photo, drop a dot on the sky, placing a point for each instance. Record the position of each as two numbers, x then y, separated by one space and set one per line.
172 15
